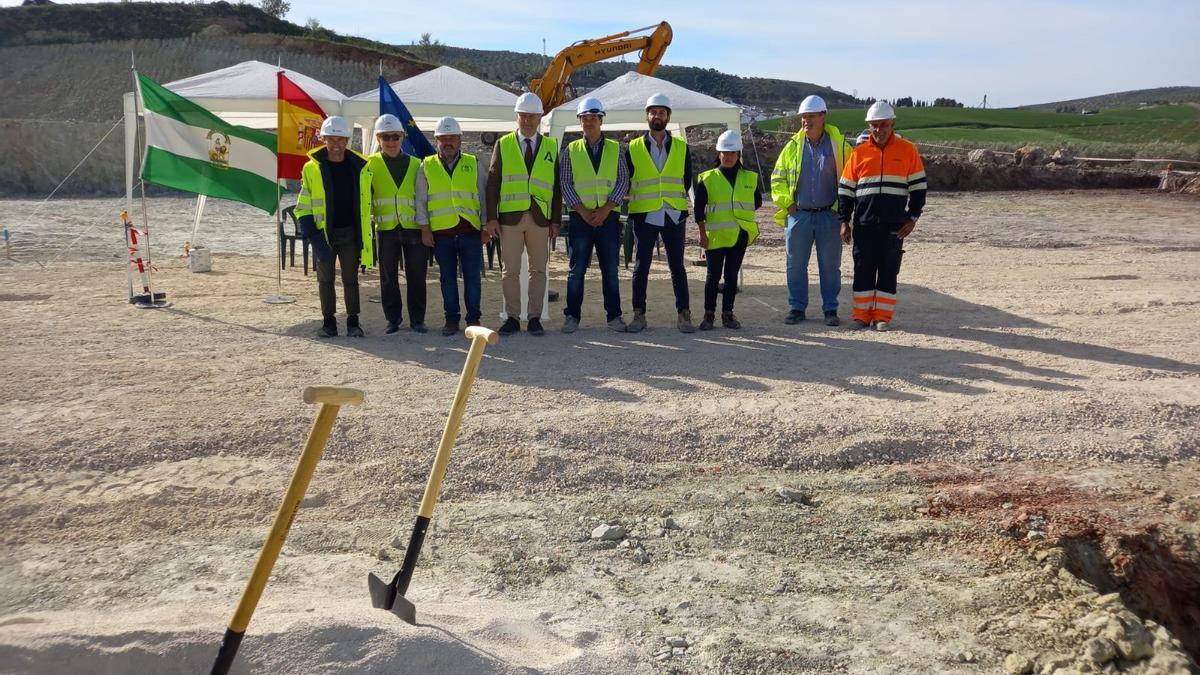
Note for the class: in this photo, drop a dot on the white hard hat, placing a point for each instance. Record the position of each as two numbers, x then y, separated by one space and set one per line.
447 126
529 103
388 122
590 106
335 126
812 104
880 110
729 141
658 101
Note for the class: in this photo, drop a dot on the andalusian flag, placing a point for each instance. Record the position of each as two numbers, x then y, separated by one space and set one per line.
189 148
299 127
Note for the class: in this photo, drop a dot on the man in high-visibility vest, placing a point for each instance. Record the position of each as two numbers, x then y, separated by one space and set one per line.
883 189
660 175
524 208
804 185
334 213
450 191
394 210
594 182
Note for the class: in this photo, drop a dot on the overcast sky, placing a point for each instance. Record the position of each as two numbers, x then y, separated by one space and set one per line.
1015 51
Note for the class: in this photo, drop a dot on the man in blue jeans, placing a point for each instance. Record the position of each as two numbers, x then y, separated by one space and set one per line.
594 181
450 196
804 186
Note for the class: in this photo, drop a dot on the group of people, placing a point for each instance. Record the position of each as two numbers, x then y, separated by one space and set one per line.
828 192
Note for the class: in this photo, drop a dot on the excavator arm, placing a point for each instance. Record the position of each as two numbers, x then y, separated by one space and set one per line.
552 86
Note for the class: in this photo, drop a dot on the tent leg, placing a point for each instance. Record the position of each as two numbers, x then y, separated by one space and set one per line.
279 298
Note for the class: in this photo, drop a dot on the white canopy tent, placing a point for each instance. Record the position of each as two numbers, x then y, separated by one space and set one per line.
477 105
245 94
624 102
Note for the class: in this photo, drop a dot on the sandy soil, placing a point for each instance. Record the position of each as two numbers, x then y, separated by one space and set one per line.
1008 482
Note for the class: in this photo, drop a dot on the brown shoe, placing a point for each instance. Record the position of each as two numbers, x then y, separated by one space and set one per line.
707 322
451 328
685 322
728 320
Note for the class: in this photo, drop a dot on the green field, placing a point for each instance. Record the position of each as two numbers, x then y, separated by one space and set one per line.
1119 132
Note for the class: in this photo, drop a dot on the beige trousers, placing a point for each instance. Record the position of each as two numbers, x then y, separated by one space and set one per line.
525 237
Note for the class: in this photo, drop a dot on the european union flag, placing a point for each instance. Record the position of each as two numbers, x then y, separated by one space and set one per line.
415 142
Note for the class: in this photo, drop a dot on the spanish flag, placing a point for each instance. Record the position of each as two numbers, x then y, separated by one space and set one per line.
298 125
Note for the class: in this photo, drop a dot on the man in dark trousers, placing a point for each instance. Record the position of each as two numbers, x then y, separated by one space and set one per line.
334 213
394 210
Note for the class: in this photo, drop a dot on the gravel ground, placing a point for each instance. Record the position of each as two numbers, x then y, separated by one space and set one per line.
1008 479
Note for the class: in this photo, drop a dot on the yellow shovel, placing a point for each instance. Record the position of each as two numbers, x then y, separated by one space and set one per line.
331 400
390 596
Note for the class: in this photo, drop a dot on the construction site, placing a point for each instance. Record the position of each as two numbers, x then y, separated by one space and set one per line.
1006 482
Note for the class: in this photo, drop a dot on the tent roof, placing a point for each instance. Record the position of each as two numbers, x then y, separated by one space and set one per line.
625 106
250 86
446 86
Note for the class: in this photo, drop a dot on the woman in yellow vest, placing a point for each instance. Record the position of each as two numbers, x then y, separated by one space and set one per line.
726 199
394 211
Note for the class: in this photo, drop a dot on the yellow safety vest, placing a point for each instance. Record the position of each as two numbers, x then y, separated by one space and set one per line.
648 188
593 187
392 204
452 198
311 201
730 208
787 169
519 186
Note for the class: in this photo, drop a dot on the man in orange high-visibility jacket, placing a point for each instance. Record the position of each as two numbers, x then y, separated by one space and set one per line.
883 190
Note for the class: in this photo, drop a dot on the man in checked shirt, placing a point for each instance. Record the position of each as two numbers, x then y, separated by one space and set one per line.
594 181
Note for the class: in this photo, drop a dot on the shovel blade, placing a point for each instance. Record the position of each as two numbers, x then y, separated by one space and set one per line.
384 596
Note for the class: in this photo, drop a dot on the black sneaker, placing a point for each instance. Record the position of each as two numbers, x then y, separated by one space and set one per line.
794 317
707 322
510 326
392 327
352 327
328 328
419 328
535 327
831 319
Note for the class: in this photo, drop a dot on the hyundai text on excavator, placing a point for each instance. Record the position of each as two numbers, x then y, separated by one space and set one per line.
554 86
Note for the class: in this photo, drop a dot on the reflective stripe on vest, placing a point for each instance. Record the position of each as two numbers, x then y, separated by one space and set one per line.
518 186
311 202
730 208
452 198
392 204
593 187
649 189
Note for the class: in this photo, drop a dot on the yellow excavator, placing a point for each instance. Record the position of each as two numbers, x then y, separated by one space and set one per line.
554 87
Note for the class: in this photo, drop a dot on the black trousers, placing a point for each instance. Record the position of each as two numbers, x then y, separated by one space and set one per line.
346 254
877 253
393 244
673 238
724 262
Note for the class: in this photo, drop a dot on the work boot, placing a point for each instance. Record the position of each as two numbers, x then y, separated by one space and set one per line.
639 321
352 327
570 324
419 328
707 322
535 327
728 320
831 319
328 328
883 326
794 317
511 325
856 324
451 328
685 321
617 324
392 327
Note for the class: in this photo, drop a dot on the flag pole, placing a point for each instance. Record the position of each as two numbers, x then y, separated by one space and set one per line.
151 302
279 298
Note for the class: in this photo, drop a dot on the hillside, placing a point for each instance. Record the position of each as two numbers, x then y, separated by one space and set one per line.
1123 99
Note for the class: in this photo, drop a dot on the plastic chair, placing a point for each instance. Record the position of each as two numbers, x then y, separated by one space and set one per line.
287 242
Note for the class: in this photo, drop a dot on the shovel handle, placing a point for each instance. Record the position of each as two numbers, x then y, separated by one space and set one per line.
333 395
487 334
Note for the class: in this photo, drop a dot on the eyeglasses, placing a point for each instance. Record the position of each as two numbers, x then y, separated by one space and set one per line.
390 137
